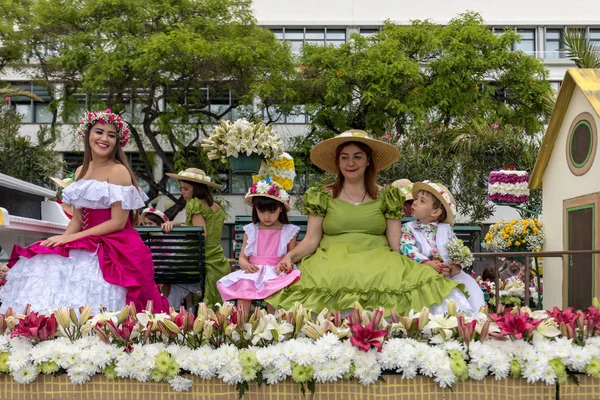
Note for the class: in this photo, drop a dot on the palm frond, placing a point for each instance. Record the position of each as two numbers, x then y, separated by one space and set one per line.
11 91
580 50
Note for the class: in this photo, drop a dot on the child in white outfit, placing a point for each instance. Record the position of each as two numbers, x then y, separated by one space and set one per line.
425 239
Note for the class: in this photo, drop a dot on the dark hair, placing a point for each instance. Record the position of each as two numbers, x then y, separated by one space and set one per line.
370 172
154 218
201 192
262 203
489 274
117 155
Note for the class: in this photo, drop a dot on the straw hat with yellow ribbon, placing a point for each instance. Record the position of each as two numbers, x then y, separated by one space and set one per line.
405 186
194 175
268 188
442 193
323 154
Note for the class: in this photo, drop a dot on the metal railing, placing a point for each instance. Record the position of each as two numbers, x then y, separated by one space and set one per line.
527 255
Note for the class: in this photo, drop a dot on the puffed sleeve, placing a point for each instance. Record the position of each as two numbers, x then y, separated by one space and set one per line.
193 207
315 201
392 202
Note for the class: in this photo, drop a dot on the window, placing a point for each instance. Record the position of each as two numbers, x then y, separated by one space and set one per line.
555 85
366 32
319 36
594 37
32 111
527 44
554 42
582 143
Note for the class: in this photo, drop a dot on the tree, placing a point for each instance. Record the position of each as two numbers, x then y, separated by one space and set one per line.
425 87
171 58
582 51
22 159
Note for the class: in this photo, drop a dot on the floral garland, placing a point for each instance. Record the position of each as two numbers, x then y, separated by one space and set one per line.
105 117
281 170
508 186
270 188
523 234
540 346
242 137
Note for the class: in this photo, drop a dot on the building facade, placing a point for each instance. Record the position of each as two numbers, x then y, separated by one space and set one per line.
331 22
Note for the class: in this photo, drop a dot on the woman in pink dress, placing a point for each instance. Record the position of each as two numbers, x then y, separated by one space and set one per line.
100 260
266 241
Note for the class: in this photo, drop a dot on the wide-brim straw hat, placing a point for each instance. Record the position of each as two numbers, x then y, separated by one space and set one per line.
323 154
63 183
194 175
442 193
405 186
154 211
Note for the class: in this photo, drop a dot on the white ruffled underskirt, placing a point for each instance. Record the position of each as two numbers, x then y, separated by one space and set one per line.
50 281
179 292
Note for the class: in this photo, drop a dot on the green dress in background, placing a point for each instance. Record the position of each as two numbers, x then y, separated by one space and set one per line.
355 263
217 265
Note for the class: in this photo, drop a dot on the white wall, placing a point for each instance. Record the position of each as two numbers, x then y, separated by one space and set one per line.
374 12
560 184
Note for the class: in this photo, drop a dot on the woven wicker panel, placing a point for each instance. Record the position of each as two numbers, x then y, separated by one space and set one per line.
588 389
421 388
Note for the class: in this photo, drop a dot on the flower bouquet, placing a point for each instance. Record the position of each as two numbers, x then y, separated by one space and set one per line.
243 140
459 253
518 234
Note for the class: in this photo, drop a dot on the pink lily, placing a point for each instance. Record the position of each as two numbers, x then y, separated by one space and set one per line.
363 337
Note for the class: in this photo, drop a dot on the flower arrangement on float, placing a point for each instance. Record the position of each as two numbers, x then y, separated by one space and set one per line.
517 234
511 291
281 170
508 186
243 142
238 348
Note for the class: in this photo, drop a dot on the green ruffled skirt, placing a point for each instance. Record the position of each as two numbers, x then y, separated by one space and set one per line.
361 267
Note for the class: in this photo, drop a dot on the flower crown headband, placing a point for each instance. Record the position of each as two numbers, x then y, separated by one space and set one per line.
268 188
105 117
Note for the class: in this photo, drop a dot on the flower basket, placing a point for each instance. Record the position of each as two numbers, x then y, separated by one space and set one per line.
231 140
518 235
244 164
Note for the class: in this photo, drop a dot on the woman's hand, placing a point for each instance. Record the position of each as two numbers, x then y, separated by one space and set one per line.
57 240
285 265
249 268
169 225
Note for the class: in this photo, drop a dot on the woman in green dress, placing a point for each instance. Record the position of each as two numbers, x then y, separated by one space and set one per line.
350 252
202 210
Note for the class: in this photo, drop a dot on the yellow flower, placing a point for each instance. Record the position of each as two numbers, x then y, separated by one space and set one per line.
509 243
535 230
517 243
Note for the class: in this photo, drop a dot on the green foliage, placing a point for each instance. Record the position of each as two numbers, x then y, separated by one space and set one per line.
431 90
21 158
580 50
159 55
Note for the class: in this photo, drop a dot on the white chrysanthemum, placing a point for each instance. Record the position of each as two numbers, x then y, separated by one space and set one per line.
4 343
535 371
368 373
477 372
180 384
445 377
409 372
578 359
80 373
20 343
270 375
330 371
284 367
231 373
26 374
18 359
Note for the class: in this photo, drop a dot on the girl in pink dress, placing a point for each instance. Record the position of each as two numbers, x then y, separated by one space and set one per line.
100 260
266 241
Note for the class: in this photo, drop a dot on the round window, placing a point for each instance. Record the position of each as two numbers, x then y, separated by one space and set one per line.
582 143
